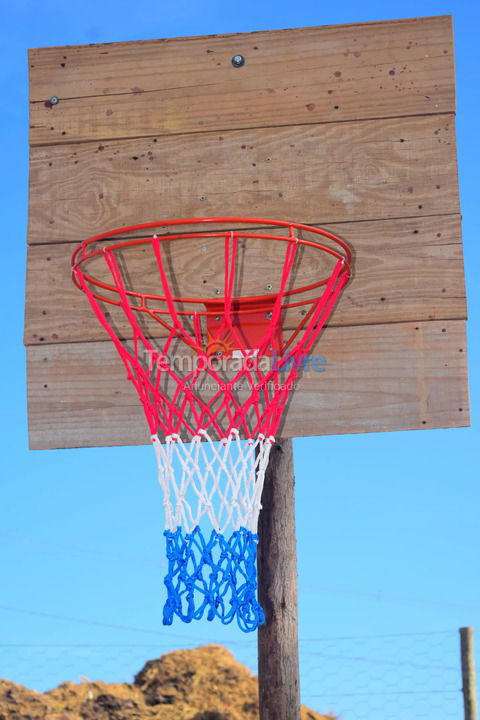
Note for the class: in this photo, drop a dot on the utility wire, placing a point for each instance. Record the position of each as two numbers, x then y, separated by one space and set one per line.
193 639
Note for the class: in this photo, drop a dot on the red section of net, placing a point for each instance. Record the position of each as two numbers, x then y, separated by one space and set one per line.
244 394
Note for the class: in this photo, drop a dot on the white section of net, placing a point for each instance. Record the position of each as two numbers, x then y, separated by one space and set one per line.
221 481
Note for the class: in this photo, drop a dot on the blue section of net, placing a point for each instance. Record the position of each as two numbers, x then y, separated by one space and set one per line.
216 575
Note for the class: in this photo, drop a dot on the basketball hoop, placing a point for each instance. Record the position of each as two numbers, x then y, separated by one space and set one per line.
212 446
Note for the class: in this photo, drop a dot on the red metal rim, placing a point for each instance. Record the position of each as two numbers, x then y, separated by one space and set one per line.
82 254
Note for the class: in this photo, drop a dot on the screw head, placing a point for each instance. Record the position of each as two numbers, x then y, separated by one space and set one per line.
218 353
269 286
269 315
218 291
202 198
54 100
217 317
238 61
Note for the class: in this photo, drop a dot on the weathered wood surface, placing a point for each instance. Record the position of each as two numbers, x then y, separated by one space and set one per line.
405 269
469 690
389 168
278 666
399 376
346 126
310 75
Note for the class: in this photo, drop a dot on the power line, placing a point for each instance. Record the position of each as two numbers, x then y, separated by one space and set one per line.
163 633
93 623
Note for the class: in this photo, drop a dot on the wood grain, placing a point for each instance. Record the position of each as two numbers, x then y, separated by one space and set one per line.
278 666
400 376
469 689
310 75
405 269
345 126
315 174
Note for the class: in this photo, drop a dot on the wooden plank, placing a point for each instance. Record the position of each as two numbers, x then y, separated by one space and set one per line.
405 269
309 75
278 666
469 689
314 174
400 376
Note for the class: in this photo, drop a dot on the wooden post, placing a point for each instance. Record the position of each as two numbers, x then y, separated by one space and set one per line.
468 673
278 669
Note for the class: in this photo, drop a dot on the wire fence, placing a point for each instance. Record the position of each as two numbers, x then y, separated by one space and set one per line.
384 677
379 677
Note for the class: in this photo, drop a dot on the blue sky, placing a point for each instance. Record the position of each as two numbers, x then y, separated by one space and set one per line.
387 538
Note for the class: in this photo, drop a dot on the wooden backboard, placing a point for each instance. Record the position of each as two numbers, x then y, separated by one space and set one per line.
349 127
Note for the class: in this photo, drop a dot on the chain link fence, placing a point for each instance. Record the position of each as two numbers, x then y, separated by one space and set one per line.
375 677
384 677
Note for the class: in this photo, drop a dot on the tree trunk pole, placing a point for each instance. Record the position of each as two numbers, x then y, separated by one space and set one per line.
278 668
468 673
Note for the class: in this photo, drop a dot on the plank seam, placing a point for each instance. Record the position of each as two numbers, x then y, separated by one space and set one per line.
322 223
333 325
130 93
448 113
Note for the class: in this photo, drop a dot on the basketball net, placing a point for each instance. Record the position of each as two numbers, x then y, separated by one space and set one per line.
212 448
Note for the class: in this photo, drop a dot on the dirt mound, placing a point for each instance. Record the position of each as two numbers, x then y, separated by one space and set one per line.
202 684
